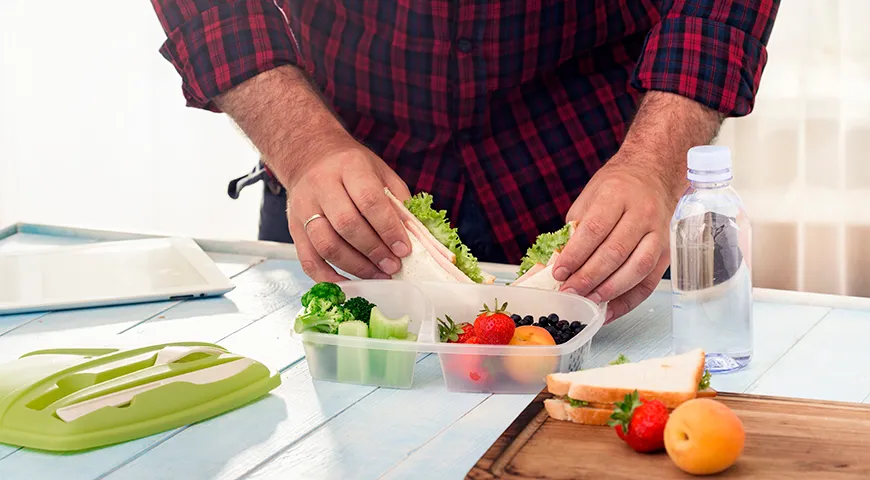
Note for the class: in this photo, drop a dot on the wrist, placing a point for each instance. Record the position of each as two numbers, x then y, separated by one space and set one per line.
665 128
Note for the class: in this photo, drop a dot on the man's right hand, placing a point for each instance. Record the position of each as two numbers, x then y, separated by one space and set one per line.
358 229
326 173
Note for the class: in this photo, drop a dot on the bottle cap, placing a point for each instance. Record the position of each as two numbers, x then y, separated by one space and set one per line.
709 163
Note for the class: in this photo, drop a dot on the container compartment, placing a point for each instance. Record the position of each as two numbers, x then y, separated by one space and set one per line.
508 368
369 361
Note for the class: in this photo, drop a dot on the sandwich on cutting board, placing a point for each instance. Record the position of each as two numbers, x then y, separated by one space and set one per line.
536 269
437 253
589 396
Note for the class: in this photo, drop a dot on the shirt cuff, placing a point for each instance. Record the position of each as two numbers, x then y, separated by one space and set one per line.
710 62
221 47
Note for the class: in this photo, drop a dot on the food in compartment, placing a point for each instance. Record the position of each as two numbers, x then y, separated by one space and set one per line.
560 329
494 326
437 252
328 310
536 267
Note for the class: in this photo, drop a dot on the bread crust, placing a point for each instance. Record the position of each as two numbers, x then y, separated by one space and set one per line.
561 410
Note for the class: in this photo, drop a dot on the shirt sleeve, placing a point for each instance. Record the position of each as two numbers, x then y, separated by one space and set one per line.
215 46
712 51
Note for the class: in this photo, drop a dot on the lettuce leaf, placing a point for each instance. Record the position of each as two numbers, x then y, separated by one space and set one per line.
543 248
436 222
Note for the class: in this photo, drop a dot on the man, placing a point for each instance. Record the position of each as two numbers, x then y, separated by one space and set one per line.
514 114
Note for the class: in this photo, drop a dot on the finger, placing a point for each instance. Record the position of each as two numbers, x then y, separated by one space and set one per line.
607 258
397 186
640 264
626 302
367 193
592 229
312 264
335 250
355 231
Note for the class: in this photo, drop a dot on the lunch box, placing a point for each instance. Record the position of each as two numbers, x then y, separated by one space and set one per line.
466 368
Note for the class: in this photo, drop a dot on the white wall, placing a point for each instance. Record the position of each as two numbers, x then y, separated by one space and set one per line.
94 131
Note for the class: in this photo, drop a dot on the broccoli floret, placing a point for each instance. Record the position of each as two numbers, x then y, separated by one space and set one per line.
360 308
322 316
325 290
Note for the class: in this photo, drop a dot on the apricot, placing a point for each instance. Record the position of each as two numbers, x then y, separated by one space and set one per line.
703 436
528 369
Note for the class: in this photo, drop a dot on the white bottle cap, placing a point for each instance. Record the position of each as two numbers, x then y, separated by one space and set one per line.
709 163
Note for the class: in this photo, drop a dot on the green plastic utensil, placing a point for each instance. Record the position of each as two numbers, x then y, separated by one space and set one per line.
77 399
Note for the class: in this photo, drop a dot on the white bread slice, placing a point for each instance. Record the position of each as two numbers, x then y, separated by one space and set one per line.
421 265
542 280
672 380
562 410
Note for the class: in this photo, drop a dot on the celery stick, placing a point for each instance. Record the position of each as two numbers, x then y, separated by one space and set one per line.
353 362
385 327
399 368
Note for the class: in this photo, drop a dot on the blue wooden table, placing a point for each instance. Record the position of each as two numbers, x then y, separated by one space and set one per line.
807 345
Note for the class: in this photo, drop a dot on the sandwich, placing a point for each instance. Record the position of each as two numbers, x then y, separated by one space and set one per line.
536 268
589 396
437 253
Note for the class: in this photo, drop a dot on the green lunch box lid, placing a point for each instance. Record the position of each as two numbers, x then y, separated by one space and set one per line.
77 399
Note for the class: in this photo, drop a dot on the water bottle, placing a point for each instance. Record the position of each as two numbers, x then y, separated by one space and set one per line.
710 265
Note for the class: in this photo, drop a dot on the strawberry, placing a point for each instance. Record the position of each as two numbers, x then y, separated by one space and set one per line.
640 423
468 367
494 327
450 332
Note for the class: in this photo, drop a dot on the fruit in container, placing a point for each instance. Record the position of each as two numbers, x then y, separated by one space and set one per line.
494 327
528 369
704 436
452 332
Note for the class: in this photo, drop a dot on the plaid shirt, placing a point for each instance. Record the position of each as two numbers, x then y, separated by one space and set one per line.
521 101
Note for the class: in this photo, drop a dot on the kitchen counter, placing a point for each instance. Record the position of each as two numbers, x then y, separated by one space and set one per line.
807 345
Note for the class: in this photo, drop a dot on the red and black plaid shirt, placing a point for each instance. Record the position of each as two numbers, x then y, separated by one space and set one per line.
521 100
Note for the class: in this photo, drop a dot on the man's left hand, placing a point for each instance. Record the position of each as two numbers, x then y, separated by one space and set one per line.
620 249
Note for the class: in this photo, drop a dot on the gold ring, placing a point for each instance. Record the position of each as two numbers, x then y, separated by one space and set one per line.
310 219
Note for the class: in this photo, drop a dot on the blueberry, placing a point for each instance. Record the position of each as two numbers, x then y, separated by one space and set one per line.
528 319
516 318
575 325
553 318
562 324
582 326
552 332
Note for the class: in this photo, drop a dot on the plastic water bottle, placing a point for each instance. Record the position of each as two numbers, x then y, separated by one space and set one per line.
711 265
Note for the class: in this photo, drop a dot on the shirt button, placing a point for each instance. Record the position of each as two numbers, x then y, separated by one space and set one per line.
464 45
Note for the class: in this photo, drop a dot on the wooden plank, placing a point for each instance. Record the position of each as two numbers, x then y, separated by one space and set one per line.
777 329
11 322
226 447
785 438
267 286
831 362
376 432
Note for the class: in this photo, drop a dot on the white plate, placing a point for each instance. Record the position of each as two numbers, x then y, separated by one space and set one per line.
107 273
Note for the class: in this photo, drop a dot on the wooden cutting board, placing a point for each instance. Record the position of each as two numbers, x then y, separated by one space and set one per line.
786 438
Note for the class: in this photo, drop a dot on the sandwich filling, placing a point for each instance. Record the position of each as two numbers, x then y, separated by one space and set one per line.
432 230
540 255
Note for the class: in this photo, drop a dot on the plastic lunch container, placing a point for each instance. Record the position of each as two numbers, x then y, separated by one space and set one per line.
466 368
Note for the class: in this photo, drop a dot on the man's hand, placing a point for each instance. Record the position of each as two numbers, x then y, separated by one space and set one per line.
360 231
620 249
330 178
